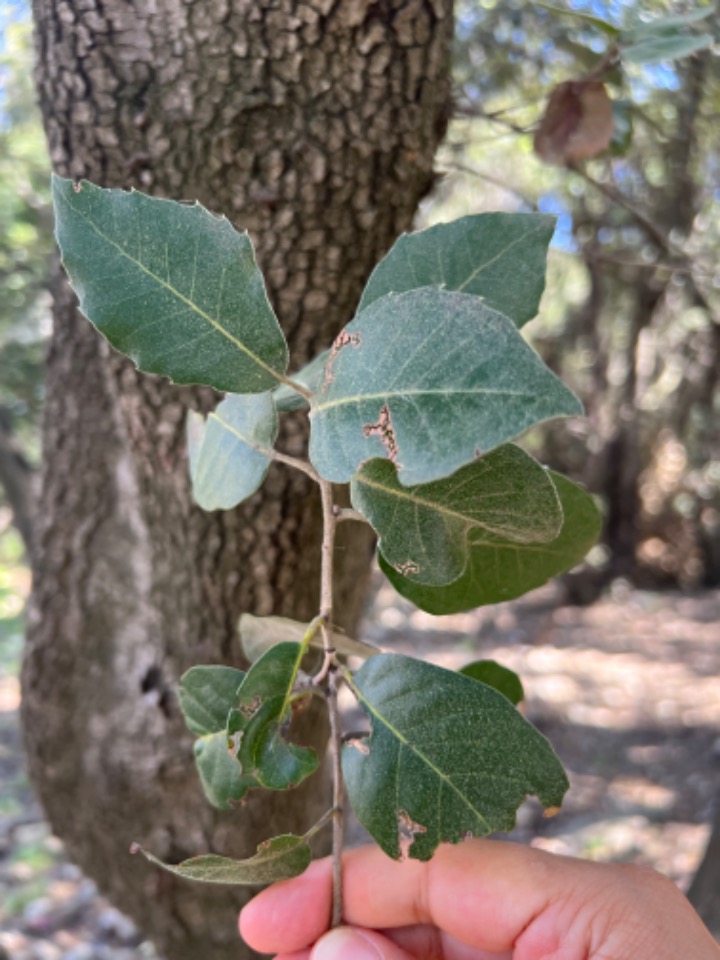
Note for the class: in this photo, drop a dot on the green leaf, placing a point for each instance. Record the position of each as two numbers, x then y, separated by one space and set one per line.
425 530
230 454
311 376
494 675
500 570
258 634
665 48
665 26
447 757
255 726
500 257
588 18
171 286
277 859
429 379
206 695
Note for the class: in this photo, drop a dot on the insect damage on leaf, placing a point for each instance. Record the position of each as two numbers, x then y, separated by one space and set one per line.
384 429
407 831
361 744
343 339
407 568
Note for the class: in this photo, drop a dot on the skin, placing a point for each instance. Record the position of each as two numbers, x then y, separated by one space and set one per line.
480 900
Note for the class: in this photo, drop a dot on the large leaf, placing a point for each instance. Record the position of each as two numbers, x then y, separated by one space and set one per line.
277 859
501 570
171 286
448 757
497 256
429 379
207 694
230 455
258 634
425 530
255 726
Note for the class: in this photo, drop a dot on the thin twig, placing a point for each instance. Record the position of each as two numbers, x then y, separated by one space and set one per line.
294 385
295 462
330 668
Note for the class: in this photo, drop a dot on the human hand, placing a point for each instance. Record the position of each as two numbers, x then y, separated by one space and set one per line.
479 900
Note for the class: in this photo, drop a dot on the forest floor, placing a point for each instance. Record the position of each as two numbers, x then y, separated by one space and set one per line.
627 690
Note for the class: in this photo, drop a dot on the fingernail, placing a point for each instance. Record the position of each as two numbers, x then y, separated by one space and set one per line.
344 943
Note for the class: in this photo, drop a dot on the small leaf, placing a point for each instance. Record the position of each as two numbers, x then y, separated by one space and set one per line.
255 726
494 675
425 530
311 376
665 48
277 859
429 379
171 286
447 757
588 18
500 257
499 570
206 695
577 123
230 460
258 634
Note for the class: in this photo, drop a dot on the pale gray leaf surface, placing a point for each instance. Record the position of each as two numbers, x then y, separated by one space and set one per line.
277 859
230 460
500 257
425 530
258 634
430 380
170 285
500 570
447 757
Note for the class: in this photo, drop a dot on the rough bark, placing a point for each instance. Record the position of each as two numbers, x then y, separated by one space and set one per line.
17 480
313 124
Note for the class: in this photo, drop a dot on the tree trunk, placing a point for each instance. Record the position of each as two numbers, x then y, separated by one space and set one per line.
704 892
313 125
17 480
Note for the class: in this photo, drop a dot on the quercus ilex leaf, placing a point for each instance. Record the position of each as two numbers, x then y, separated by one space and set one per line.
230 451
277 859
429 379
500 570
425 531
447 757
255 724
495 675
206 695
497 256
171 286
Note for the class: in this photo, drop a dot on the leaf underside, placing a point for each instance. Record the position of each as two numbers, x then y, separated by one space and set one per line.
500 257
430 380
277 859
228 458
448 757
258 634
425 530
500 570
255 725
173 287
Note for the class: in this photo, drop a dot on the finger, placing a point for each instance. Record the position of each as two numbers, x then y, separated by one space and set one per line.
483 893
425 942
349 943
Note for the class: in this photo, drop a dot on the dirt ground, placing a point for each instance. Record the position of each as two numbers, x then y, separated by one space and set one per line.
627 690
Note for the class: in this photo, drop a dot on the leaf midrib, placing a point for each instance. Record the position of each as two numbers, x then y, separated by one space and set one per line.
391 394
175 292
413 749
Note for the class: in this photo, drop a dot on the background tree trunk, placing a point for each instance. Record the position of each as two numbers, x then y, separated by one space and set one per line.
314 125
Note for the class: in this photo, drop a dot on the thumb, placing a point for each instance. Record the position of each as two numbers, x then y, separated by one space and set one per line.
352 943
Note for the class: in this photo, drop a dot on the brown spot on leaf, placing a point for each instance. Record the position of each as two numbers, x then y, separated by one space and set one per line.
250 709
407 568
577 124
343 339
234 741
77 186
384 429
360 745
407 831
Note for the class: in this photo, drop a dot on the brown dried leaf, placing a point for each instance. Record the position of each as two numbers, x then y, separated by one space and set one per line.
577 124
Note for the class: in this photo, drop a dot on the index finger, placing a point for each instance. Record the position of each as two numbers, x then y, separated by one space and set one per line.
482 892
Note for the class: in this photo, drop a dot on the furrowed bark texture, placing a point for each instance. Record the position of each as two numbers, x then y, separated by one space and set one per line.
314 125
